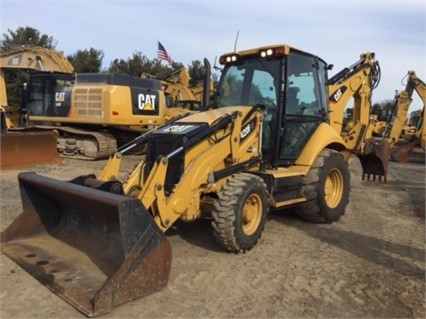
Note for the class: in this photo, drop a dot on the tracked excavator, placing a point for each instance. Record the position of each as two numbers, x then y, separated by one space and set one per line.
19 148
94 113
271 140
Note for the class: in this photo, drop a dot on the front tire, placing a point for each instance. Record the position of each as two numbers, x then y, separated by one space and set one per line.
240 212
327 187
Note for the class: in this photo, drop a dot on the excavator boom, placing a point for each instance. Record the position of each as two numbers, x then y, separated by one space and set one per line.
37 59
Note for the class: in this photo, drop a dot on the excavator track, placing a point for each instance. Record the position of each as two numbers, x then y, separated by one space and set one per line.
82 144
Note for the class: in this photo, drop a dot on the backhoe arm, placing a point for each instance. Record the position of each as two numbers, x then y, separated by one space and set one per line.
355 82
420 88
402 103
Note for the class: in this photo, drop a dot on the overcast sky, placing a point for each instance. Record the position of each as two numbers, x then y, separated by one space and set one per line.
337 31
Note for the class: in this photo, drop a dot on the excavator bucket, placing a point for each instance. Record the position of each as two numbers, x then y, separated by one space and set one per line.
21 149
94 249
375 161
401 153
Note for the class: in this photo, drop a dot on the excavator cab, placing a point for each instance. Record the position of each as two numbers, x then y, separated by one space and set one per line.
49 94
19 146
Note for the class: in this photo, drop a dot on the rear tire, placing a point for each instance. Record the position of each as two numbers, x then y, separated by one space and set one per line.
327 187
240 212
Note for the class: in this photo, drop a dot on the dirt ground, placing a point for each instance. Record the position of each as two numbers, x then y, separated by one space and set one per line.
369 264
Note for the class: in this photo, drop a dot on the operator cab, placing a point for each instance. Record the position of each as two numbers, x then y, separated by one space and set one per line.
49 94
289 84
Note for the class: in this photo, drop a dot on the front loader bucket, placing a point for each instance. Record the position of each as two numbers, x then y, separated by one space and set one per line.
375 161
25 149
95 249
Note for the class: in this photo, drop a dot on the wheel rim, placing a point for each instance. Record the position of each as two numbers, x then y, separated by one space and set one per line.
252 214
333 188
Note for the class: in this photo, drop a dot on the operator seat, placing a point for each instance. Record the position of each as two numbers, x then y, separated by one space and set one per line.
292 100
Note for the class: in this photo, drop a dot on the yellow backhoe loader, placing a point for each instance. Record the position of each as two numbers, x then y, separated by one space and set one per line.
271 140
19 148
412 125
397 121
415 131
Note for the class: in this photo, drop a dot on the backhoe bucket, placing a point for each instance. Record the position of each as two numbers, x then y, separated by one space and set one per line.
375 161
401 153
95 249
21 149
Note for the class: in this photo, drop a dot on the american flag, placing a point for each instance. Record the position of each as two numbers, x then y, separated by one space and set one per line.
162 53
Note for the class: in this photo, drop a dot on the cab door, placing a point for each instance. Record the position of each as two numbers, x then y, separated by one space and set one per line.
305 104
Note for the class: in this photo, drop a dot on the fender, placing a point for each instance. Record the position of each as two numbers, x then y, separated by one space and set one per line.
324 136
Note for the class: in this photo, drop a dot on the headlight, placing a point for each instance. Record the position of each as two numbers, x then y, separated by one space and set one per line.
228 59
266 53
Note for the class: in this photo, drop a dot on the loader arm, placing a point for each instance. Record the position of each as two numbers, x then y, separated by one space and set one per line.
216 152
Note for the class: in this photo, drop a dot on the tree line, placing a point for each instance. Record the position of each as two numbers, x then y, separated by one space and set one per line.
89 61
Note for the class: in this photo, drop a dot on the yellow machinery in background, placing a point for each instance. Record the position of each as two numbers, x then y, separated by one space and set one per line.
94 113
181 95
19 148
414 130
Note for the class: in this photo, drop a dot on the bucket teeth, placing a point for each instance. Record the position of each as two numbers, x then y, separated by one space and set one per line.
375 163
374 177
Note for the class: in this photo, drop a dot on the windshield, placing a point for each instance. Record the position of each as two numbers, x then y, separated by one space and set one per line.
250 82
